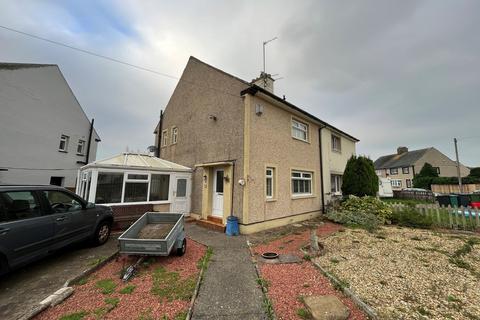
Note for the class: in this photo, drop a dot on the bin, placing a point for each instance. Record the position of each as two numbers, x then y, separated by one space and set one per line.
232 226
454 200
443 200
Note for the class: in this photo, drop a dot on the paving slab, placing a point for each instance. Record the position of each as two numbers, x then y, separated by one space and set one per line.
23 289
229 289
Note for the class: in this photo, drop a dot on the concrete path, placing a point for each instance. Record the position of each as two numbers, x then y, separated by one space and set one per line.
229 289
22 289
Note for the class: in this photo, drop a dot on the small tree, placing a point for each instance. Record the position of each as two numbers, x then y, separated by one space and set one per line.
475 172
425 177
359 178
428 171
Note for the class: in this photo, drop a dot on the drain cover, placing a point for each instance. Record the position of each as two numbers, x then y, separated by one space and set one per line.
270 255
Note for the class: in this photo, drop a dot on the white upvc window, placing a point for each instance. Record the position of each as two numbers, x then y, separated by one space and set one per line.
397 183
164 138
336 143
269 182
81 147
405 170
393 171
63 146
336 183
301 183
299 130
174 135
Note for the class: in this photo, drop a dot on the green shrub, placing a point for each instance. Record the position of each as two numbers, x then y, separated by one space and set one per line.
359 177
369 205
363 220
366 212
412 219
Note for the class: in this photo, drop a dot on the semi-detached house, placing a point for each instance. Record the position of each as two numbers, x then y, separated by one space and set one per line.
255 155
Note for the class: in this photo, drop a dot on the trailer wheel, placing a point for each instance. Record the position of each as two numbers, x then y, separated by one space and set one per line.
181 251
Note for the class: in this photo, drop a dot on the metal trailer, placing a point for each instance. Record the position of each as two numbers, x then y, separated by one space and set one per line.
130 244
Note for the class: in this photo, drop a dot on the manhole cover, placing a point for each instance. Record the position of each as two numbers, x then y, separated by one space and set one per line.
270 255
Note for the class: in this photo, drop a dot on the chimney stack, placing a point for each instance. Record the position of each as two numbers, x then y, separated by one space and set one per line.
265 81
401 150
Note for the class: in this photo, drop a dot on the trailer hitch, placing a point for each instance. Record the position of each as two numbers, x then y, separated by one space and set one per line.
131 270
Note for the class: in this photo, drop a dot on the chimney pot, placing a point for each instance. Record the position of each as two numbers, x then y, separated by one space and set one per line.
401 150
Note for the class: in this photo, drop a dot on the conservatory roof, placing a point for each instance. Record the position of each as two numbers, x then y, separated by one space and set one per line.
137 161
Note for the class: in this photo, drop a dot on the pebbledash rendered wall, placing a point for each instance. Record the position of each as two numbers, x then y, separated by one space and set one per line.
209 118
36 107
271 145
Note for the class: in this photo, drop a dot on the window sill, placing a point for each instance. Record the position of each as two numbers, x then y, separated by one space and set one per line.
306 196
337 151
64 151
270 199
298 139
80 154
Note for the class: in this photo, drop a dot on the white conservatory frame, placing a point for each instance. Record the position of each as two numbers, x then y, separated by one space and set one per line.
87 178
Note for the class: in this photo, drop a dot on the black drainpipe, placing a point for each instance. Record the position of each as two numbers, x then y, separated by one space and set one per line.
159 142
87 157
321 167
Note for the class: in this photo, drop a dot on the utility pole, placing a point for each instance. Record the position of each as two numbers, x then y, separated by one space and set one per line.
458 166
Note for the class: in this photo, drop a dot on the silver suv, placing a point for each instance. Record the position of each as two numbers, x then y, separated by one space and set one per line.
36 220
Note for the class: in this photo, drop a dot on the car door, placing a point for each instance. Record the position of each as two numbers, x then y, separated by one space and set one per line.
25 230
73 222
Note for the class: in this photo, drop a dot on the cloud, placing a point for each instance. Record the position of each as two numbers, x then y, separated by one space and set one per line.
389 72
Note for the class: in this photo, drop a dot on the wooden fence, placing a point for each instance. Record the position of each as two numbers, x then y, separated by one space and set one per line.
454 188
459 218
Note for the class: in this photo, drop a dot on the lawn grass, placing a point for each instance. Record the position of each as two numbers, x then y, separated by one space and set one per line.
74 316
107 285
128 289
169 285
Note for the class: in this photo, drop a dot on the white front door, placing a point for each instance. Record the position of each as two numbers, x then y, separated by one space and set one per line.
217 201
181 194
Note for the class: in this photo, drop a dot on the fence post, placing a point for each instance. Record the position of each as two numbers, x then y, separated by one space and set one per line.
464 222
477 219
449 212
439 221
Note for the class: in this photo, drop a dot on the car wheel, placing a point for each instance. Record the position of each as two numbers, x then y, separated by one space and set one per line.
181 251
102 233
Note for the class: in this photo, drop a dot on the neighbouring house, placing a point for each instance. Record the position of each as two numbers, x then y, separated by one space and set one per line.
255 155
402 166
132 184
45 136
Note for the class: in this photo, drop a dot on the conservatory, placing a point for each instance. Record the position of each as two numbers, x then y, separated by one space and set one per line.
131 179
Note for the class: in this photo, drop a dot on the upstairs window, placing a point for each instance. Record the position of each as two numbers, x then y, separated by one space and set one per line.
63 146
174 135
301 183
81 147
164 138
394 171
438 169
299 130
336 143
405 170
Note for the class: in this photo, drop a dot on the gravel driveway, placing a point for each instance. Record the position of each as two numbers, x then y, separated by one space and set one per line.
409 273
22 289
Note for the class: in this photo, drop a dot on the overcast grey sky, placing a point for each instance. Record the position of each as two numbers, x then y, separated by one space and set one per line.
390 73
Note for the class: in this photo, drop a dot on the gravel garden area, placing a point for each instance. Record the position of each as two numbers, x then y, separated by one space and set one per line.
162 289
408 273
289 283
